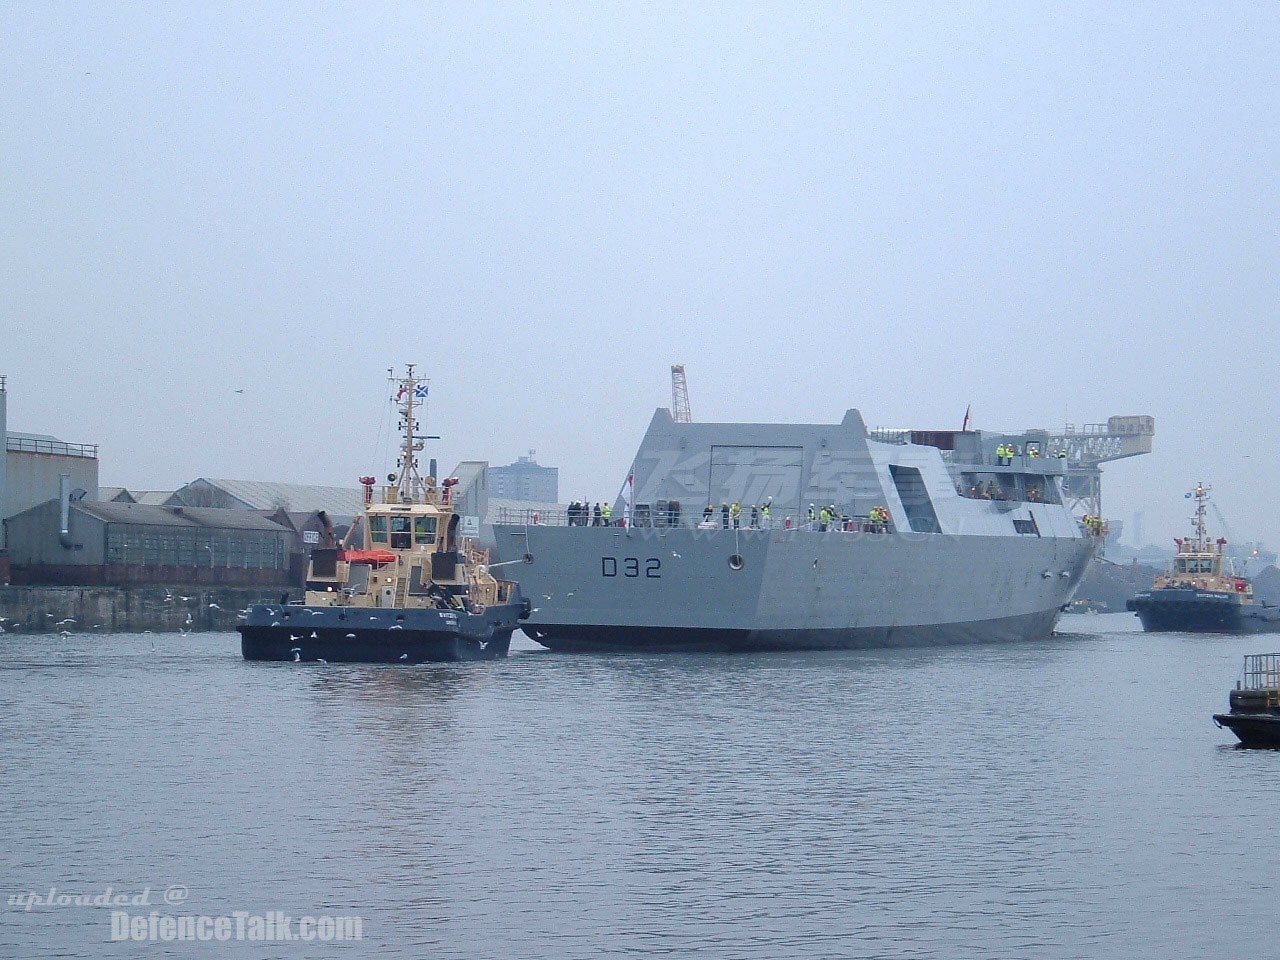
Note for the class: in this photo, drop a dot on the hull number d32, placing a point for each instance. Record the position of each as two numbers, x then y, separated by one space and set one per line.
650 567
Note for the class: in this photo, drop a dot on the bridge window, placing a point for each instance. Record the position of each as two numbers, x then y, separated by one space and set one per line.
378 529
915 499
400 539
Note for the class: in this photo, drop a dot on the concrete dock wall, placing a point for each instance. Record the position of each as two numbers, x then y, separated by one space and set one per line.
123 609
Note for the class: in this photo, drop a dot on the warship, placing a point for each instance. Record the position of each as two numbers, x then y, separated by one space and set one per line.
1201 592
809 536
403 586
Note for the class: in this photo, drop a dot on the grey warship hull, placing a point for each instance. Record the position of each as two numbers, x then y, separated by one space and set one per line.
948 567
789 589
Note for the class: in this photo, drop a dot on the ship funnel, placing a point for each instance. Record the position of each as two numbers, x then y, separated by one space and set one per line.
64 511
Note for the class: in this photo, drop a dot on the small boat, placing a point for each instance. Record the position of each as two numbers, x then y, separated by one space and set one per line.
1201 592
405 585
1255 703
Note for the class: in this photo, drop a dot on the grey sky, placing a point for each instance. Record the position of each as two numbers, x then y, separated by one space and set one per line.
1050 211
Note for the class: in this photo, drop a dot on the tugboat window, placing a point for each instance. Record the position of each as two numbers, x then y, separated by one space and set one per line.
378 529
424 530
400 539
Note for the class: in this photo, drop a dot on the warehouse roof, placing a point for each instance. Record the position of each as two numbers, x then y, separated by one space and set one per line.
343 502
153 516
125 495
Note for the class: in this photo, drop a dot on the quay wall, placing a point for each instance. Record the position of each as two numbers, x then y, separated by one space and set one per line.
29 609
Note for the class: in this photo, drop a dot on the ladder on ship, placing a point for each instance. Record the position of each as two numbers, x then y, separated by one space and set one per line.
402 591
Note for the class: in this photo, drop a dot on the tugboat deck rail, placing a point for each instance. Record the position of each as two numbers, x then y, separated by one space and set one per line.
1262 672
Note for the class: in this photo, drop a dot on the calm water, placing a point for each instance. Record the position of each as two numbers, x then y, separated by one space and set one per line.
1064 799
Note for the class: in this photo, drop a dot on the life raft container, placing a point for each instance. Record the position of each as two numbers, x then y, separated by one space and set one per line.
370 558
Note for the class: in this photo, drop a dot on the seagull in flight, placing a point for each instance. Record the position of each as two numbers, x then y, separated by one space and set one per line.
241 390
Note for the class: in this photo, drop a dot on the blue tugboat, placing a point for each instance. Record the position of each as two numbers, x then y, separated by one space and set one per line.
1255 703
1200 593
404 585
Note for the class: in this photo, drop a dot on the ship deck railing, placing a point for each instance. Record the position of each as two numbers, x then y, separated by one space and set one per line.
1261 672
646 519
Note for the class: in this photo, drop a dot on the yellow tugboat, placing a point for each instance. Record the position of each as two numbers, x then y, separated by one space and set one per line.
1200 593
404 586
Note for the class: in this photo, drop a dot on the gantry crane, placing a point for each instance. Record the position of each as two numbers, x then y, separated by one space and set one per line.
1093 444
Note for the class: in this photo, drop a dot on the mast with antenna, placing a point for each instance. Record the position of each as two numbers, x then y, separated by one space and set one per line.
411 391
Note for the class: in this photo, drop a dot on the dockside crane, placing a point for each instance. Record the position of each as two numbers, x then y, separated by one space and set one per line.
680 411
1089 446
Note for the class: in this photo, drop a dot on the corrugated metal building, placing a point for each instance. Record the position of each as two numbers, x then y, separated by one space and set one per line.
116 543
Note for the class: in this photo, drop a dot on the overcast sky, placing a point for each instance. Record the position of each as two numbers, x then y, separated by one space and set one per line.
1053 212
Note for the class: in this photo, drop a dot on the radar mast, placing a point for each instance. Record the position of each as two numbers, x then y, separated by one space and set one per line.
411 392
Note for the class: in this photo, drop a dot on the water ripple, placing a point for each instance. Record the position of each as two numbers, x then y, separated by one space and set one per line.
1064 799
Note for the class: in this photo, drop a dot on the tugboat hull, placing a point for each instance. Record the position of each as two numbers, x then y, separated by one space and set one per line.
376 635
1199 611
1252 729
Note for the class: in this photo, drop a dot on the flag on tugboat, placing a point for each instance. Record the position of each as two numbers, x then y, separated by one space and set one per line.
420 391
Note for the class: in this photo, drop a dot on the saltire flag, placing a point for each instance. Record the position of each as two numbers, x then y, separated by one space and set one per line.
628 490
420 391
